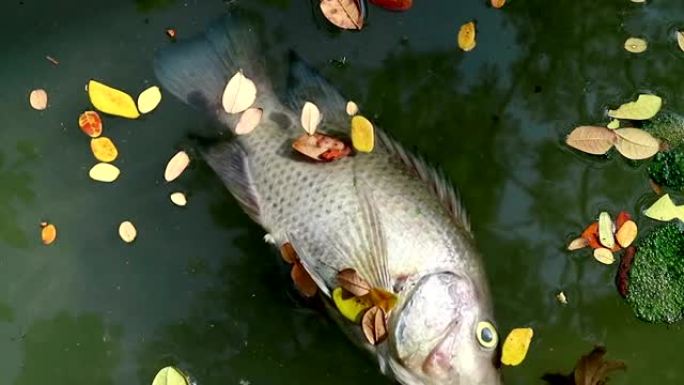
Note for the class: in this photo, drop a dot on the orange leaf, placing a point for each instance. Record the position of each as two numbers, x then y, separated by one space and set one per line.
383 299
350 281
303 281
288 253
90 123
622 217
48 233
591 235
466 36
498 3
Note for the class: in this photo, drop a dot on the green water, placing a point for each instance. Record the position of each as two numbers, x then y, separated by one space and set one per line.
201 290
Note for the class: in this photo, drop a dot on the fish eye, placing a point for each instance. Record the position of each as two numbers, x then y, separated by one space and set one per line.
486 335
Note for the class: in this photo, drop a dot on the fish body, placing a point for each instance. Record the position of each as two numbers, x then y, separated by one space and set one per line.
386 214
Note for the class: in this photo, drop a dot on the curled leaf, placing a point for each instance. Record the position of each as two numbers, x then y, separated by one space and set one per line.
351 307
627 233
636 144
592 369
321 147
249 120
303 281
578 243
127 231
178 199
310 117
362 134
149 99
48 233
104 172
170 376
645 107
38 99
239 94
346 14
591 139
466 36
103 149
112 101
636 45
606 230
604 256
516 345
176 165
374 325
352 282
90 123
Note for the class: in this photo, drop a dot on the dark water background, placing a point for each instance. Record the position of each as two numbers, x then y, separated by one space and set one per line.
200 289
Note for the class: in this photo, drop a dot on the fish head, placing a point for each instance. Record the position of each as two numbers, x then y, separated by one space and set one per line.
443 333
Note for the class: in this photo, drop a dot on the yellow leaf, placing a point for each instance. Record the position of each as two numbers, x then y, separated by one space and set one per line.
345 14
239 94
606 230
591 139
38 99
363 137
466 36
636 45
103 149
48 234
127 231
627 233
614 124
562 298
664 210
634 143
645 107
516 345
578 243
170 376
112 101
498 3
383 299
179 199
176 165
249 120
352 307
149 99
604 256
680 39
310 117
104 172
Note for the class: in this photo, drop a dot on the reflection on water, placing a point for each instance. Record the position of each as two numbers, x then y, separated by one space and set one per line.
15 192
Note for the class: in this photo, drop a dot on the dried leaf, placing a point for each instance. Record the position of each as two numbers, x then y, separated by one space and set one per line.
127 231
626 234
171 33
38 99
466 36
591 369
177 164
112 101
178 199
498 3
623 270
562 298
303 281
288 253
613 124
170 376
346 14
591 139
383 299
636 144
103 149
680 39
578 243
606 230
636 45
352 109
591 235
645 107
604 256
310 117
90 123
48 233
352 282
516 345
104 172
664 210
393 5
321 147
149 99
362 134
374 325
350 307
239 94
249 120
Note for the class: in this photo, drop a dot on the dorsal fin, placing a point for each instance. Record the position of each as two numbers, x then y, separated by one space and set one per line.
433 178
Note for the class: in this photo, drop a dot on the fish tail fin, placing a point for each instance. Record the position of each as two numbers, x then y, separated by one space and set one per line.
198 69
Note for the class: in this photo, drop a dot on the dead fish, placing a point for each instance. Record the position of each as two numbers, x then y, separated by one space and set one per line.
387 214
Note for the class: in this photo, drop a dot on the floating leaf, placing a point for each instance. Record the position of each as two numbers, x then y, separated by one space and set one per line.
591 235
622 217
352 109
179 199
664 210
177 164
48 233
604 256
352 282
351 307
466 36
606 230
578 243
516 345
498 3
592 369
38 99
170 376
321 147
591 139
393 5
171 33
680 39
636 45
310 117
346 14
103 149
615 123
636 144
362 134
127 231
626 234
239 94
645 107
90 123
562 298
149 99
303 281
288 253
104 172
249 120
374 325
623 270
112 101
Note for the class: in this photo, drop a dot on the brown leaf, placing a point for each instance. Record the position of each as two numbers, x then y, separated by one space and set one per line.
592 369
383 299
350 281
623 270
658 189
303 281
591 139
288 253
345 14
374 325
634 143
321 147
